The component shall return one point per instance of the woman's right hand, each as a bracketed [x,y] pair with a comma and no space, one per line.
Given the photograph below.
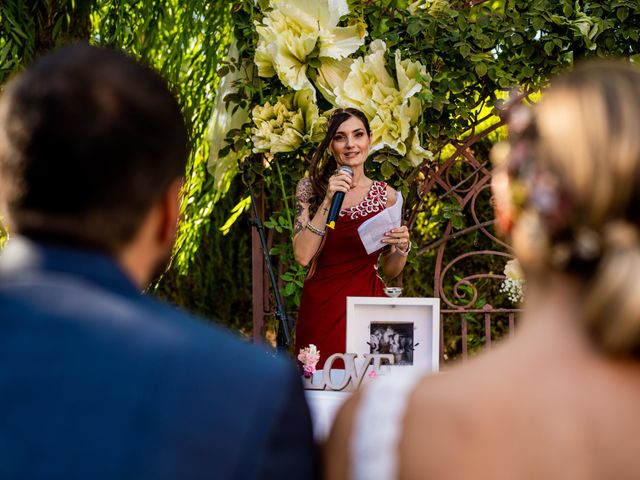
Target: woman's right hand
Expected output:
[338,182]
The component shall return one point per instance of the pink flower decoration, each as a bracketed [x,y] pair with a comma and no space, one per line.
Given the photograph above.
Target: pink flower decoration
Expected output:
[309,358]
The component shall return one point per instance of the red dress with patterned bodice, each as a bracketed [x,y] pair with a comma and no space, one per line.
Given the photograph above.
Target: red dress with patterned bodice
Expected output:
[343,269]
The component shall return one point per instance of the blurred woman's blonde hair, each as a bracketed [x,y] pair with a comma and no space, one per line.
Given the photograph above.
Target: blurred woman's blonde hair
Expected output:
[581,210]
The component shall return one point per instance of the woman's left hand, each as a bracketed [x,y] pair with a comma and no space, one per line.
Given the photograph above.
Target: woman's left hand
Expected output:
[399,237]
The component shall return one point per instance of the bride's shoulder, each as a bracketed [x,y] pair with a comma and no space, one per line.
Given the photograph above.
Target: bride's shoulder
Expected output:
[446,414]
[409,422]
[364,440]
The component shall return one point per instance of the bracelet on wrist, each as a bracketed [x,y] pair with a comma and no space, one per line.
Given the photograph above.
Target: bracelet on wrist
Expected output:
[312,228]
[404,253]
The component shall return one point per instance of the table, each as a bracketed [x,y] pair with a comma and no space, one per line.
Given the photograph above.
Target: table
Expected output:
[324,405]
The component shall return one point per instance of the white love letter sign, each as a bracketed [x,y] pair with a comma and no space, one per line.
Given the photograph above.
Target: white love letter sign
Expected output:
[352,376]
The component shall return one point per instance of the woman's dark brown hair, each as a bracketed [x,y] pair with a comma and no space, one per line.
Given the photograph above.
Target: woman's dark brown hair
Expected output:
[323,164]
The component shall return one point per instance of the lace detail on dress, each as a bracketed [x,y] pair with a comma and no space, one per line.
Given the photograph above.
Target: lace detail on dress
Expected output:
[374,202]
[378,425]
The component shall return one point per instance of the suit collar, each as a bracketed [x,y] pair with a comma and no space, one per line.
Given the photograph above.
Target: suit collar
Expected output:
[22,256]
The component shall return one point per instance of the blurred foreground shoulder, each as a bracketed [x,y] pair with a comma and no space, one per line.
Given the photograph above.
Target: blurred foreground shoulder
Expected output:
[259,396]
[336,453]
[430,434]
[290,450]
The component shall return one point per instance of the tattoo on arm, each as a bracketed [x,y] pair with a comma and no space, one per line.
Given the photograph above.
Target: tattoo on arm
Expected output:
[299,226]
[304,191]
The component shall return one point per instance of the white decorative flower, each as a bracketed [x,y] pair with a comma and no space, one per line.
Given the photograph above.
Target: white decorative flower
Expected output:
[293,32]
[262,59]
[389,104]
[330,75]
[513,270]
[416,154]
[284,126]
[513,285]
[367,76]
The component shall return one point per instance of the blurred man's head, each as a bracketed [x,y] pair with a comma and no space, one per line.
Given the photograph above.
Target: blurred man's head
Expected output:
[90,144]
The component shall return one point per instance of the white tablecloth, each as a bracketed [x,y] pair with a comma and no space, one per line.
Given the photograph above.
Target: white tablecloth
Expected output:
[324,405]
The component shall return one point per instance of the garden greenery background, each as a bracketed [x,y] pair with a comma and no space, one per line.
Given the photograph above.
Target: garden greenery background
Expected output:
[430,74]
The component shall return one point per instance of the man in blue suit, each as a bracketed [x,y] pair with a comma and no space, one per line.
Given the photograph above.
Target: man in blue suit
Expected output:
[97,381]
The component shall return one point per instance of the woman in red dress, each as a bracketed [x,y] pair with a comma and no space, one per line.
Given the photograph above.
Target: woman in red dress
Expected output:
[339,264]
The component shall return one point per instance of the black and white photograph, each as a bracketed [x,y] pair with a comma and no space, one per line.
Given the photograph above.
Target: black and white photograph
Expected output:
[393,338]
[407,328]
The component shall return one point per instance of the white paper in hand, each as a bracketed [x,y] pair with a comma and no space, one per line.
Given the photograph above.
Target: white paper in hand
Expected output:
[372,230]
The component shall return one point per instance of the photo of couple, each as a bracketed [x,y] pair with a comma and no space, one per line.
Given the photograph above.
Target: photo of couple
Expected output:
[394,338]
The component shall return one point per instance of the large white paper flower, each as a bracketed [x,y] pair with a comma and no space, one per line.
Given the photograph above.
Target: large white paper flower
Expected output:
[415,152]
[293,32]
[389,104]
[284,126]
[330,75]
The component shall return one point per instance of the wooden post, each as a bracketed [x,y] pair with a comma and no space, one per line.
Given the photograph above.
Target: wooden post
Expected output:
[257,275]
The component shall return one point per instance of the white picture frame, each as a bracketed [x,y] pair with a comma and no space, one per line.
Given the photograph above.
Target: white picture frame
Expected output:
[398,326]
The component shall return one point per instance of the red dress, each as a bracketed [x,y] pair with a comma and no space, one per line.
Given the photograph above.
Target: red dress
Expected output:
[343,269]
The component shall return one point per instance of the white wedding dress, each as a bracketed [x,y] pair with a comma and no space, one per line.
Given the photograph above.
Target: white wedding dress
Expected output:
[378,425]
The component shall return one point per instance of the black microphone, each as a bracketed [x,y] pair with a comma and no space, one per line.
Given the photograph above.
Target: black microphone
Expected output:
[336,202]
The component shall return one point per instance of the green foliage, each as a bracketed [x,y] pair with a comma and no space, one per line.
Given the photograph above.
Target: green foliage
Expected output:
[4,234]
[475,56]
[31,26]
[185,41]
[217,283]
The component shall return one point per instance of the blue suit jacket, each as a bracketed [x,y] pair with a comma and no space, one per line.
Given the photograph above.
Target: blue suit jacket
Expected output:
[99,382]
